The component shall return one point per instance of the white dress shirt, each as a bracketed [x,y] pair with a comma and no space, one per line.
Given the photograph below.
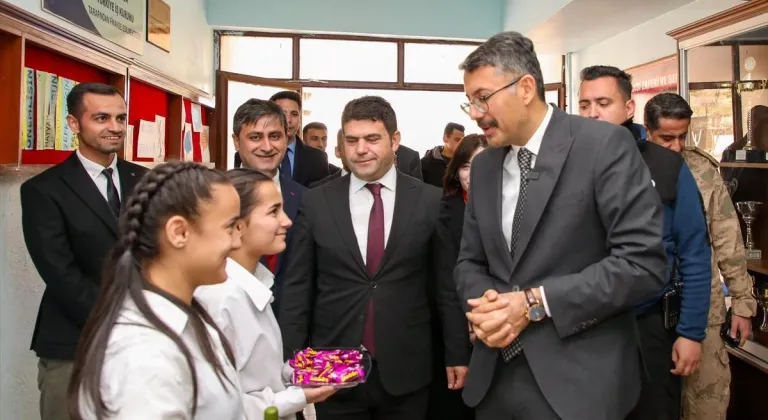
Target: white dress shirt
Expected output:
[361,202]
[511,183]
[241,308]
[276,178]
[95,171]
[145,374]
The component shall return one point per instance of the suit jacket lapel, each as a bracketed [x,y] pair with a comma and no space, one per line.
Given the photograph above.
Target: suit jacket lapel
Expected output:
[128,180]
[406,199]
[83,186]
[299,174]
[495,200]
[554,149]
[338,201]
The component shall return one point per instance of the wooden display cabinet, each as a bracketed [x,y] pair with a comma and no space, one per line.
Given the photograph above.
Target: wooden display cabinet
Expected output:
[737,27]
[27,41]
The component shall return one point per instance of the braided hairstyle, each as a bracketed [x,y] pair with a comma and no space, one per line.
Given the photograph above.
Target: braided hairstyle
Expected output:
[170,189]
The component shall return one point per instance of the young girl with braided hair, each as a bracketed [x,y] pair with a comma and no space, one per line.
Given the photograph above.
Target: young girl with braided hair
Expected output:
[241,305]
[149,350]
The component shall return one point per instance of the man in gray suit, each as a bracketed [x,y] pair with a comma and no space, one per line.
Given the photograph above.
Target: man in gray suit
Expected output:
[562,236]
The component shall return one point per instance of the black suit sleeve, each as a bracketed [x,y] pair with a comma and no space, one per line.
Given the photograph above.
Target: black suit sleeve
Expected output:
[455,328]
[471,273]
[632,217]
[295,315]
[48,244]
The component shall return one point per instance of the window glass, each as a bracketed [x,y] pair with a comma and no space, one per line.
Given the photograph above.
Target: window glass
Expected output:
[712,122]
[710,64]
[363,61]
[435,63]
[257,56]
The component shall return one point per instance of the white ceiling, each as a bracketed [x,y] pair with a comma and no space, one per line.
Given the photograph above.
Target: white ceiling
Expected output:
[578,24]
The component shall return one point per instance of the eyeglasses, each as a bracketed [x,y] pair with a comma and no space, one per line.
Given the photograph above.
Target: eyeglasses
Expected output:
[481,103]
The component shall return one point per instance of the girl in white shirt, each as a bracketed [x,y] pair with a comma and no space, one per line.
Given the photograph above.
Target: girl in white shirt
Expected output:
[241,305]
[149,350]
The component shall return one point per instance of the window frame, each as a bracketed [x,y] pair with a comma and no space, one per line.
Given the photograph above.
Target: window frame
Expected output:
[400,84]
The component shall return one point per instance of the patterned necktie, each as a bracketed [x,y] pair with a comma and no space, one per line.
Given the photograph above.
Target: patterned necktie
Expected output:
[112,197]
[285,166]
[524,157]
[373,256]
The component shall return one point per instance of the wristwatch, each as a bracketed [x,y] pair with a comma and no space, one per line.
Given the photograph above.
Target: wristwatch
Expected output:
[535,311]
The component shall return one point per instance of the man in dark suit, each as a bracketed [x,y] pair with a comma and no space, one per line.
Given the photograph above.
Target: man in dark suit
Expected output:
[339,150]
[408,162]
[557,337]
[69,219]
[364,254]
[260,136]
[301,163]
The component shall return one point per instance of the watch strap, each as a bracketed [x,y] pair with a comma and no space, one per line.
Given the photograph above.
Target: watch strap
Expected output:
[531,298]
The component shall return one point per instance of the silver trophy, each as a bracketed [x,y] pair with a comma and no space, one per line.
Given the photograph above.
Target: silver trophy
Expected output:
[761,294]
[748,211]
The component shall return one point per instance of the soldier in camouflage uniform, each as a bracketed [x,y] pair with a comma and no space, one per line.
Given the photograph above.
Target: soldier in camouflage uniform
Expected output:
[706,393]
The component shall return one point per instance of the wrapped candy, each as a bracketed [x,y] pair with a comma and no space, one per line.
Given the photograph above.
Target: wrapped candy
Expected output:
[327,367]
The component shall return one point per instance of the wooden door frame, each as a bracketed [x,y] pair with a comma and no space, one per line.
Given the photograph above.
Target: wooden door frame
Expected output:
[222,100]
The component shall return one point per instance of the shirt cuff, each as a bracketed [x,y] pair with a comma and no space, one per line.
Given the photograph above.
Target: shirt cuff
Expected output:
[290,401]
[544,301]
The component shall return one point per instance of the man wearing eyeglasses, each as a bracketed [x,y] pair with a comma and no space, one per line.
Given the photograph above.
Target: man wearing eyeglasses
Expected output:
[562,236]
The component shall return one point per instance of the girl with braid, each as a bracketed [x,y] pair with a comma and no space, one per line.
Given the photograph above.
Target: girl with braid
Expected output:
[149,350]
[241,306]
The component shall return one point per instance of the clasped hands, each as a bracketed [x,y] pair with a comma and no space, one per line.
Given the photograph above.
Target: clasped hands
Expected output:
[497,319]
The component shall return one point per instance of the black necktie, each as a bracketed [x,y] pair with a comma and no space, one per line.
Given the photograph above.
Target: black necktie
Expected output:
[524,157]
[112,197]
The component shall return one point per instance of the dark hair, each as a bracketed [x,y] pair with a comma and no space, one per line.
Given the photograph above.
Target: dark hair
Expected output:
[623,79]
[176,188]
[666,105]
[77,94]
[245,181]
[287,94]
[452,126]
[313,126]
[370,108]
[253,110]
[509,52]
[464,151]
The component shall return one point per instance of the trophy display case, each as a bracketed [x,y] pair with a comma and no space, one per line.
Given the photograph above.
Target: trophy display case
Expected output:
[724,76]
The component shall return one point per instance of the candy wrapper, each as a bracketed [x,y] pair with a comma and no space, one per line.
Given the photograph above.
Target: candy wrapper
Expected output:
[340,368]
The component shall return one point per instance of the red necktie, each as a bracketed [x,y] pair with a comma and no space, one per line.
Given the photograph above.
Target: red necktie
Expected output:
[373,256]
[271,262]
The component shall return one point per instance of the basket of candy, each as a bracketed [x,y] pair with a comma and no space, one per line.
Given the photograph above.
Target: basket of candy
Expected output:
[339,367]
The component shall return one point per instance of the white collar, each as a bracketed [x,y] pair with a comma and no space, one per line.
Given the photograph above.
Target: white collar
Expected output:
[173,316]
[343,172]
[256,285]
[388,181]
[534,143]
[92,168]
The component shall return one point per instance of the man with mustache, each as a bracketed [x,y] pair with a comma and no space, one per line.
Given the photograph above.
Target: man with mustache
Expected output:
[69,218]
[562,236]
[261,138]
